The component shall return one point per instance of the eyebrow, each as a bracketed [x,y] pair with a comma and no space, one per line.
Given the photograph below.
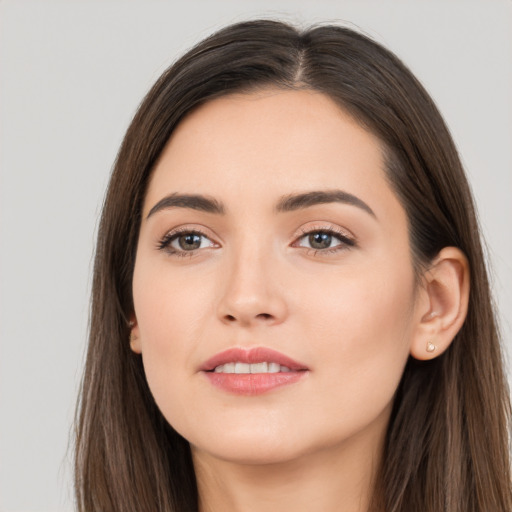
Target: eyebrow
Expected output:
[287,203]
[294,202]
[191,201]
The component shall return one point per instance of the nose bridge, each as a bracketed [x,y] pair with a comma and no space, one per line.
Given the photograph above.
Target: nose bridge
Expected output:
[251,290]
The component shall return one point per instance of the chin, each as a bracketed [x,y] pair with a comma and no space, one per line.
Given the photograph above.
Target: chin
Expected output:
[252,453]
[249,446]
[259,447]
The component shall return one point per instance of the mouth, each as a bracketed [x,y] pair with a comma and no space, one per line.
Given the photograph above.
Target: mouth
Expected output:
[244,368]
[252,372]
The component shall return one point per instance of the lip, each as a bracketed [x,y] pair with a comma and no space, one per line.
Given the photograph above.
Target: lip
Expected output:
[256,383]
[251,356]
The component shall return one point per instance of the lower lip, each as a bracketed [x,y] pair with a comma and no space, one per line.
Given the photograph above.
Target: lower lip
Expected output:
[253,383]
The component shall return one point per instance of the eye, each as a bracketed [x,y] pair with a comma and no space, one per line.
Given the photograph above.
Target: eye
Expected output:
[321,240]
[185,242]
[328,240]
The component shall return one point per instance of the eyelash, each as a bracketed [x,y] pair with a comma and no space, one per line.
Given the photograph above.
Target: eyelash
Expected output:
[165,243]
[345,241]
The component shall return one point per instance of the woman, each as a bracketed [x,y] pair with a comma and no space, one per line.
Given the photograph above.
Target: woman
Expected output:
[290,302]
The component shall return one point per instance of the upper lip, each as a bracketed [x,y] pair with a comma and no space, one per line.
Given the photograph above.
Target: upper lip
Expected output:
[252,355]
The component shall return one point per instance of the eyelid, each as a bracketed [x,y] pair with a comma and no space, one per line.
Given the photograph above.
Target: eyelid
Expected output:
[163,242]
[314,226]
[346,238]
[191,228]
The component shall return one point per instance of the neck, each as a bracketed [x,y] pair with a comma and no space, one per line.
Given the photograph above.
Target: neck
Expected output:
[335,479]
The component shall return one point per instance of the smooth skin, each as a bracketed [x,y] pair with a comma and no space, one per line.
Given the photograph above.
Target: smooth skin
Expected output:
[330,285]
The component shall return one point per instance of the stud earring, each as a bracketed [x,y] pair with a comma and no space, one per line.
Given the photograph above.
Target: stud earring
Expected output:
[430,346]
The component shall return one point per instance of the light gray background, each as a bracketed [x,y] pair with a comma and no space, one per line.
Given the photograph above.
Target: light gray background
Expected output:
[71,76]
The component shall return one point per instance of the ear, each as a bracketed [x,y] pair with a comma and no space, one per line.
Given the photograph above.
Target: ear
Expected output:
[442,304]
[135,344]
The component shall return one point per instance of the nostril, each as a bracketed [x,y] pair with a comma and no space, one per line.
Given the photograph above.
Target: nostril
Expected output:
[242,318]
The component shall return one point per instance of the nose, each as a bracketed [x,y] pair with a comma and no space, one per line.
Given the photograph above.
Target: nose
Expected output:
[252,294]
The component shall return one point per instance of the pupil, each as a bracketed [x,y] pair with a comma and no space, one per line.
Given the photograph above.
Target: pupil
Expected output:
[320,240]
[190,241]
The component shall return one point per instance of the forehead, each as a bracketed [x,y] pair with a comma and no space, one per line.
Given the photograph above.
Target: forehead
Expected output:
[267,143]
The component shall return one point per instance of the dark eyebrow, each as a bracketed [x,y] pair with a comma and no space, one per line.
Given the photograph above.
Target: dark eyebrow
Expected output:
[298,201]
[192,201]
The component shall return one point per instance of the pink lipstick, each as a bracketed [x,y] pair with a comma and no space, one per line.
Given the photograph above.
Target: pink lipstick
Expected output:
[253,371]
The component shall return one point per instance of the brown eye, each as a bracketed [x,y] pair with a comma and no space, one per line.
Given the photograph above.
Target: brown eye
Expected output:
[189,241]
[320,240]
[324,240]
[185,242]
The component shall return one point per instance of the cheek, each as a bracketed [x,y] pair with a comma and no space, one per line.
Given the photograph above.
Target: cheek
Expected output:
[362,326]
[169,307]
[367,312]
[171,317]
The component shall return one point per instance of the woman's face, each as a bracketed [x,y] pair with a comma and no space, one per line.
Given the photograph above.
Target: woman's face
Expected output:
[269,227]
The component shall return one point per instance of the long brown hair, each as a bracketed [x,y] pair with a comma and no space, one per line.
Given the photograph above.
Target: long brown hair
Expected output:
[447,442]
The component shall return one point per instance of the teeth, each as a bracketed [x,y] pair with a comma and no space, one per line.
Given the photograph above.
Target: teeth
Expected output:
[273,368]
[259,368]
[242,368]
[229,368]
[251,368]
